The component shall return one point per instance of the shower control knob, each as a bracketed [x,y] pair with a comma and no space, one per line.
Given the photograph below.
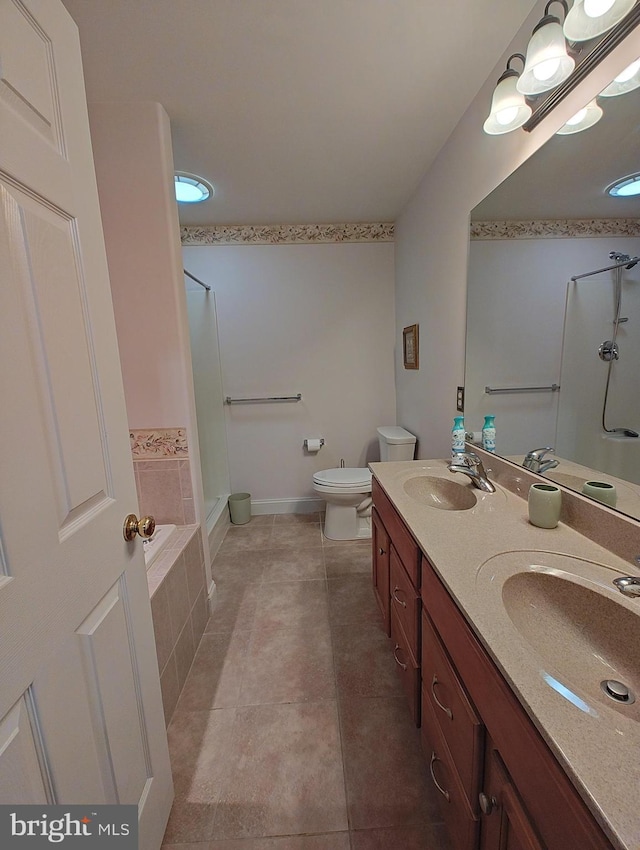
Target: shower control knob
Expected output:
[608,351]
[145,526]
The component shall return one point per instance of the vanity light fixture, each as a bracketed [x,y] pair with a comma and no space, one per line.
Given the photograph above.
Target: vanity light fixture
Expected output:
[591,18]
[191,189]
[509,110]
[548,64]
[628,80]
[582,120]
[628,187]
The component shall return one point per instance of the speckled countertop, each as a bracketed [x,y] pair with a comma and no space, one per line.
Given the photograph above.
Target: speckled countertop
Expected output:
[596,741]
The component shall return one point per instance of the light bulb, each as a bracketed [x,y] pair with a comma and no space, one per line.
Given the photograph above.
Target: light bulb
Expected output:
[545,70]
[629,72]
[596,8]
[578,117]
[506,116]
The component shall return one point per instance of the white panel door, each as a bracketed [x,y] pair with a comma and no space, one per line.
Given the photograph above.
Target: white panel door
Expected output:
[80,706]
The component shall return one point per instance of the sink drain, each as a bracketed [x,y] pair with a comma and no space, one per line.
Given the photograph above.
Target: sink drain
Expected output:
[617,691]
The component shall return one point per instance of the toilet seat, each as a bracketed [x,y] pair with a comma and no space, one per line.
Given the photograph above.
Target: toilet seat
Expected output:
[343,480]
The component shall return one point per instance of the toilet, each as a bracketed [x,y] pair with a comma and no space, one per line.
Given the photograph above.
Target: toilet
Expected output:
[347,490]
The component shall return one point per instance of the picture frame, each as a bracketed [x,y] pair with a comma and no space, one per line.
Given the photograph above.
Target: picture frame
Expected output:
[410,347]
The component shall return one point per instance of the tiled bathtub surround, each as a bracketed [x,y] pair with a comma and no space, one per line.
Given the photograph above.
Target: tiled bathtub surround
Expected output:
[165,491]
[292,731]
[163,474]
[179,605]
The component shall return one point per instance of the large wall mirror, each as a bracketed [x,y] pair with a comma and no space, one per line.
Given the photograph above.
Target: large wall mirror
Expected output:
[539,345]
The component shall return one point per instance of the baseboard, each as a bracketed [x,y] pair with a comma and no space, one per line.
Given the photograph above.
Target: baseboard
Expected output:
[304,505]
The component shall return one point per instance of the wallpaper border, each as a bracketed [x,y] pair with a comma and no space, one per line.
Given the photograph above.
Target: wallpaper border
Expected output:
[554,229]
[287,234]
[158,443]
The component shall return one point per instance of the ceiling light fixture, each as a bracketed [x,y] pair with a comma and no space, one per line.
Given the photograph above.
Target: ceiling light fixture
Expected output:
[191,189]
[582,120]
[548,64]
[628,187]
[509,110]
[591,18]
[628,80]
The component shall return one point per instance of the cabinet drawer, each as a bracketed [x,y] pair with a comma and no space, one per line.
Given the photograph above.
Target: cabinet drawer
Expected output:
[405,545]
[460,725]
[462,826]
[406,605]
[407,668]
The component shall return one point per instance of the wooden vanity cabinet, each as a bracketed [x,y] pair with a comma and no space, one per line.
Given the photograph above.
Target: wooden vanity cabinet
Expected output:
[396,583]
[536,807]
[401,539]
[380,568]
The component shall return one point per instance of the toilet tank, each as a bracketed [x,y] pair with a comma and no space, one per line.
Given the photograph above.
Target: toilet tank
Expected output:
[396,443]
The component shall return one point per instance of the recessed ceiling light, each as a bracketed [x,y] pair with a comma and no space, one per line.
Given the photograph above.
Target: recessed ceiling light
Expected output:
[628,187]
[191,189]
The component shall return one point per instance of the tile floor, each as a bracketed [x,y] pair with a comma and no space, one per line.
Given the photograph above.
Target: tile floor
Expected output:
[292,732]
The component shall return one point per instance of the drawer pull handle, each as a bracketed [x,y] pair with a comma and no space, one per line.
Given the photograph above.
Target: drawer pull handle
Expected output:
[399,601]
[444,708]
[434,759]
[399,663]
[487,804]
[380,551]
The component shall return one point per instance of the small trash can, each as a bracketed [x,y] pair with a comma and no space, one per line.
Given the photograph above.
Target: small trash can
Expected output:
[240,508]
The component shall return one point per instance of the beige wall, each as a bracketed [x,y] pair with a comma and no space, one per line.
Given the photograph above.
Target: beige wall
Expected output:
[311,318]
[432,243]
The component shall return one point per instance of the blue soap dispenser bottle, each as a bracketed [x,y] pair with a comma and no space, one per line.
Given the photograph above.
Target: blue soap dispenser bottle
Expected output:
[457,436]
[489,434]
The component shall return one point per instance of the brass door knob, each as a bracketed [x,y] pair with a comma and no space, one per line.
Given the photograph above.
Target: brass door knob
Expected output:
[145,526]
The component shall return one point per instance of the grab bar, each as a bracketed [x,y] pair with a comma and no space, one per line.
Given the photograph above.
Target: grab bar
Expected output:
[267,400]
[554,388]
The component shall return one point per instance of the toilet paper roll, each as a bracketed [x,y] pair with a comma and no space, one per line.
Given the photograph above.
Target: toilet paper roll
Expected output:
[313,444]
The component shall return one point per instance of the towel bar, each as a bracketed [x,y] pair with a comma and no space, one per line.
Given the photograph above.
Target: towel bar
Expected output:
[266,400]
[554,388]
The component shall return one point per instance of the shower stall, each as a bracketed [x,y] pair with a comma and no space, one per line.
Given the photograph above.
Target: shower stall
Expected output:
[599,407]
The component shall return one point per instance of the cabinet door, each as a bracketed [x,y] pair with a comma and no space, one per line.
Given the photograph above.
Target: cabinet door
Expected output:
[380,562]
[505,824]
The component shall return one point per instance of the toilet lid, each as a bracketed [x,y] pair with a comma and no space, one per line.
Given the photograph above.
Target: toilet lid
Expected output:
[343,477]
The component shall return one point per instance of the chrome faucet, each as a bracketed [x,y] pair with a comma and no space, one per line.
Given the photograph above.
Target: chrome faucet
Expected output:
[628,585]
[534,460]
[470,464]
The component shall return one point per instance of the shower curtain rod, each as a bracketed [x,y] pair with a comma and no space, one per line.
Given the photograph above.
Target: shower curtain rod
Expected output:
[197,280]
[607,269]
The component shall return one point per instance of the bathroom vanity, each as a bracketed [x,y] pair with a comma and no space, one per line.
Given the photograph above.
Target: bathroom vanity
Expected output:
[499,631]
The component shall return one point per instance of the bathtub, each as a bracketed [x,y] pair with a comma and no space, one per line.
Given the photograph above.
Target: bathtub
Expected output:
[155,544]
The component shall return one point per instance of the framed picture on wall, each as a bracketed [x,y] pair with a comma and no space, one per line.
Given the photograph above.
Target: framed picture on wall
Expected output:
[410,347]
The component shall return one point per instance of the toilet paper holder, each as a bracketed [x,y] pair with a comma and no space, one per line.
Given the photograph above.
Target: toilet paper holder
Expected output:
[306,441]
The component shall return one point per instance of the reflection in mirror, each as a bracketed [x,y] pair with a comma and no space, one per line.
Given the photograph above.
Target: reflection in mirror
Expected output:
[530,327]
